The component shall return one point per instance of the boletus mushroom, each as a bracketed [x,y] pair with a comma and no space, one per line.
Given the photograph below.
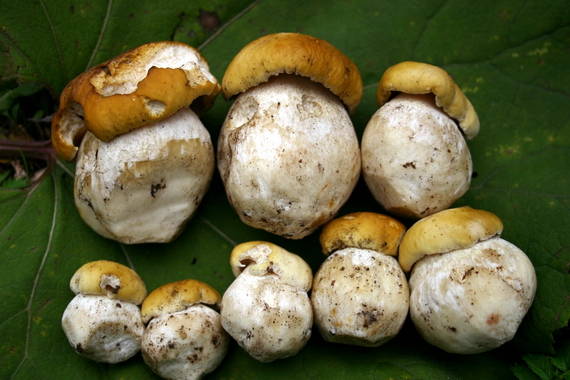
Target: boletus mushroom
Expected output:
[145,159]
[287,152]
[414,156]
[103,322]
[267,309]
[184,338]
[470,289]
[360,294]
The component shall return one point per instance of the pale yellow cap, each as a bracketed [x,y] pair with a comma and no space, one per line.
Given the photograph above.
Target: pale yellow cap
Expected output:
[294,53]
[447,231]
[262,259]
[178,296]
[422,78]
[108,278]
[366,230]
[84,105]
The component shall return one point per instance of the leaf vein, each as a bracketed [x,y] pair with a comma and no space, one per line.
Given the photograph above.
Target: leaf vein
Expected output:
[218,231]
[101,33]
[20,208]
[55,40]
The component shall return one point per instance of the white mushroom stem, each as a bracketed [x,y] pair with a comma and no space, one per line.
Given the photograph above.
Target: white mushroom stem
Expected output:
[144,185]
[360,297]
[414,157]
[268,318]
[472,300]
[103,329]
[288,155]
[186,344]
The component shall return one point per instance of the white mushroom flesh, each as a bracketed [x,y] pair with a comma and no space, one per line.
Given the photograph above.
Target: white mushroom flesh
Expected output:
[472,300]
[186,344]
[415,160]
[268,318]
[103,329]
[144,185]
[288,155]
[360,297]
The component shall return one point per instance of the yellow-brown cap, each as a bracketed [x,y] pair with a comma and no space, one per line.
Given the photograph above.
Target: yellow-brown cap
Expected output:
[108,278]
[294,53]
[422,78]
[262,258]
[177,296]
[366,230]
[141,86]
[447,231]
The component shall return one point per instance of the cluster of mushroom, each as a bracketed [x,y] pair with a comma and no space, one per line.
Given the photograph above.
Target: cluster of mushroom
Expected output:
[183,337]
[289,158]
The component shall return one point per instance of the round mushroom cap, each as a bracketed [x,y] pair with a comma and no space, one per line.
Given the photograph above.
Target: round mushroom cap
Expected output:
[103,329]
[472,300]
[110,279]
[447,231]
[137,88]
[143,186]
[366,230]
[185,344]
[268,318]
[298,54]
[360,297]
[288,156]
[421,78]
[415,160]
[178,296]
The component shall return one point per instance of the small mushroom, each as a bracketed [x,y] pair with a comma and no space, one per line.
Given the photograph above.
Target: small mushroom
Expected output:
[470,289]
[184,338]
[360,294]
[415,159]
[266,309]
[288,153]
[103,322]
[146,160]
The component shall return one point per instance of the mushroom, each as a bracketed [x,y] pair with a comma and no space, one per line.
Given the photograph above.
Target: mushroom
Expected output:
[266,309]
[287,152]
[470,289]
[360,294]
[415,159]
[146,160]
[103,322]
[184,338]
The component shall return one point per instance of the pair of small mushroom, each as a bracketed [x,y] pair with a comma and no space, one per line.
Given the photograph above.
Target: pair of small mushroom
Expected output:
[145,160]
[183,338]
[469,296]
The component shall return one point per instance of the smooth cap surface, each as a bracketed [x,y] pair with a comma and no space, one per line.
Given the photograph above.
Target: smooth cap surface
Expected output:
[177,296]
[446,231]
[366,230]
[261,258]
[422,78]
[294,53]
[108,278]
[146,84]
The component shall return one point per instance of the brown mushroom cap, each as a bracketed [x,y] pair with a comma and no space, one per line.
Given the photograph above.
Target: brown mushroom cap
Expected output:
[141,86]
[298,54]
[446,231]
[422,78]
[366,230]
[177,296]
[108,278]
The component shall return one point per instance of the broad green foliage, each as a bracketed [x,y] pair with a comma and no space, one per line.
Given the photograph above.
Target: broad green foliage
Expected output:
[511,58]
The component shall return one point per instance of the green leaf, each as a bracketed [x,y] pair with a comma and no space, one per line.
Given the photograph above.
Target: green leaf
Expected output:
[510,57]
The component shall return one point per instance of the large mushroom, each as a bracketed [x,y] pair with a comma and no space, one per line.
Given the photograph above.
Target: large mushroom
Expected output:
[103,322]
[360,294]
[414,156]
[146,160]
[288,153]
[267,309]
[470,289]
